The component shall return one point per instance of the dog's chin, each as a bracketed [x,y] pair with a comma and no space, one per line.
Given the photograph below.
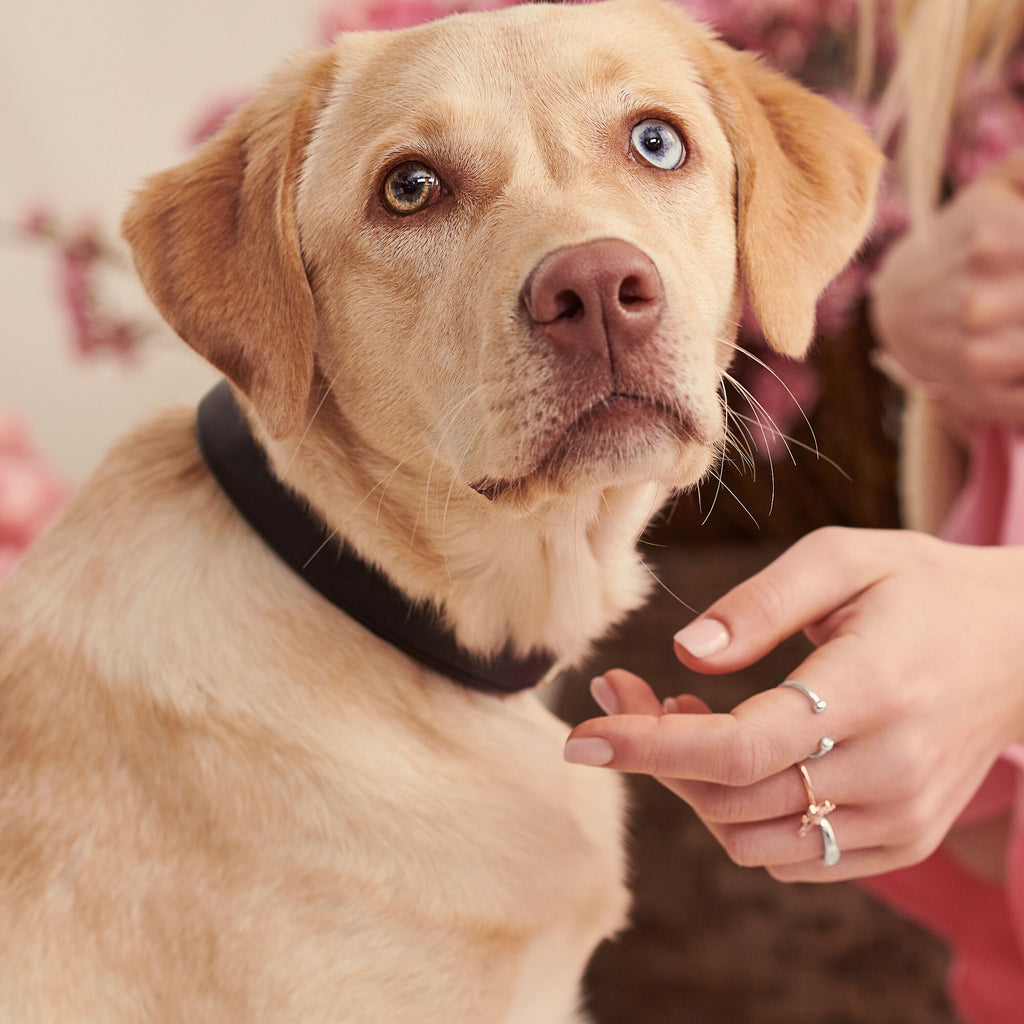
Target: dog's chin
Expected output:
[618,441]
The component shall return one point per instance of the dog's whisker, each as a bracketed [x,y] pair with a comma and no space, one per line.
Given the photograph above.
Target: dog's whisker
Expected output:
[384,484]
[757,407]
[732,494]
[338,531]
[738,435]
[447,424]
[764,366]
[772,428]
[309,425]
[668,590]
[737,442]
[454,474]
[718,488]
[666,517]
[818,454]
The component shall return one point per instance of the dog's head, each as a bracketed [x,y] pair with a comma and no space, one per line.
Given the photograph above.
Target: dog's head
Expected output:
[514,243]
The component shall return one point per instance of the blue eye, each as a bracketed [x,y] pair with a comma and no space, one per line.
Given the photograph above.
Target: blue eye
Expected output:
[657,144]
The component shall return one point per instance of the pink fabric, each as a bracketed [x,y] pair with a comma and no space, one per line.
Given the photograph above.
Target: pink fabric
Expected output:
[982,922]
[990,509]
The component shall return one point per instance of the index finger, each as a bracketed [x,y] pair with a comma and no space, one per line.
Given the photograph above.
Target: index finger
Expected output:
[762,736]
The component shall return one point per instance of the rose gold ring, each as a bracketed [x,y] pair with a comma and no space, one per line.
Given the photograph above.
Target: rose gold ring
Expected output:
[817,813]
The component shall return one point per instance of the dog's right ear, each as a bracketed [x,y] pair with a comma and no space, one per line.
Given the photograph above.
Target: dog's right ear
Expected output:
[216,245]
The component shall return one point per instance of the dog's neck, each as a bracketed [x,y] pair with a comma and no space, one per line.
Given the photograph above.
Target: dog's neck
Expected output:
[520,581]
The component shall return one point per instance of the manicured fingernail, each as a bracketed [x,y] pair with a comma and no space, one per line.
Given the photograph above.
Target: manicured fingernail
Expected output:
[670,706]
[703,637]
[604,695]
[593,751]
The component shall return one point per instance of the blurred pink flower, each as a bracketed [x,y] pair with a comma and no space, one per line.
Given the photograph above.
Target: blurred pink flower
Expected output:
[94,329]
[37,222]
[784,31]
[31,493]
[214,115]
[390,14]
[988,125]
[81,256]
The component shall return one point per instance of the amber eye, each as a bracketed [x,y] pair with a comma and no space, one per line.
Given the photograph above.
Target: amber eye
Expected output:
[410,188]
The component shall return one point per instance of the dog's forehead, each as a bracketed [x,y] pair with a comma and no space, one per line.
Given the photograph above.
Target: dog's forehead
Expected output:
[544,57]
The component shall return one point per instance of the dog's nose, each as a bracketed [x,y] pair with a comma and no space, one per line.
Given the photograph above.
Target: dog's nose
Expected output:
[588,299]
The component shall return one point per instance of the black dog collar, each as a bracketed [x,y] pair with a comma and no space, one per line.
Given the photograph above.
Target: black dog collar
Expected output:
[290,529]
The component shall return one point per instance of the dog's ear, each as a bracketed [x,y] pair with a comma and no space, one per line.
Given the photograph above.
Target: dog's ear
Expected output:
[216,245]
[807,176]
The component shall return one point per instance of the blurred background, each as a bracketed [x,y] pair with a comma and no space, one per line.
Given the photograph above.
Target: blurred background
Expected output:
[93,97]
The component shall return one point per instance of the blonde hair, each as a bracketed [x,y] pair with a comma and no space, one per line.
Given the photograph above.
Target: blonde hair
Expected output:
[937,40]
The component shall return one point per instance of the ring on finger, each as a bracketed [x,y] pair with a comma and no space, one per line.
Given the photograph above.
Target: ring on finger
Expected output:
[826,744]
[817,814]
[830,852]
[818,706]
[817,703]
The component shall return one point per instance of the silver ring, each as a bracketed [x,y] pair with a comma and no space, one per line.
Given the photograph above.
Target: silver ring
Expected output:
[826,744]
[830,848]
[816,702]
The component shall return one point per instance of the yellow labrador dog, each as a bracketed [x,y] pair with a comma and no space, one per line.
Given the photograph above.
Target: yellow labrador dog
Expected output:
[267,748]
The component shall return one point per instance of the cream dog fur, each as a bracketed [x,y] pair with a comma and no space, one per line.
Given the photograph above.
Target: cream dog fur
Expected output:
[222,800]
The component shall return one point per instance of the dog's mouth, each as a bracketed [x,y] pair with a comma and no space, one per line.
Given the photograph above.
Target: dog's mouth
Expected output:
[615,428]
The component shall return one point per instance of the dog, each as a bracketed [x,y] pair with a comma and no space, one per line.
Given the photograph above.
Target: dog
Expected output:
[473,286]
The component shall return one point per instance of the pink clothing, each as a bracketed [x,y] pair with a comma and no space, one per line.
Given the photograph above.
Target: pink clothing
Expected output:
[982,922]
[990,509]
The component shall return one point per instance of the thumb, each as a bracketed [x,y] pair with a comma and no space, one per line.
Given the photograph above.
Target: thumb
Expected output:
[818,575]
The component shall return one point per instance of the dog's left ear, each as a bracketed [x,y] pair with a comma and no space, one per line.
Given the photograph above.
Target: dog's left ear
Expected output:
[216,245]
[807,176]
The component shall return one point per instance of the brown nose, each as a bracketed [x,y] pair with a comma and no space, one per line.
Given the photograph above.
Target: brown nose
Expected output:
[590,298]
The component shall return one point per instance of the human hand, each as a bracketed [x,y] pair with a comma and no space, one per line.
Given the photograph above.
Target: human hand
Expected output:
[920,657]
[947,304]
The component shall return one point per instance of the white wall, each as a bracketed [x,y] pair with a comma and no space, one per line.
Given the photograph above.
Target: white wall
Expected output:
[93,97]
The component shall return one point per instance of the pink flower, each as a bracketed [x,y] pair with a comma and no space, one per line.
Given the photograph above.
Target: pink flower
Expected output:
[13,434]
[31,494]
[892,213]
[784,31]
[988,125]
[391,14]
[94,329]
[213,117]
[841,298]
[37,222]
[81,256]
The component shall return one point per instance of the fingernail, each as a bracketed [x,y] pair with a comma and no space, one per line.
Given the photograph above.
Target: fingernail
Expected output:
[703,637]
[604,695]
[670,706]
[594,751]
